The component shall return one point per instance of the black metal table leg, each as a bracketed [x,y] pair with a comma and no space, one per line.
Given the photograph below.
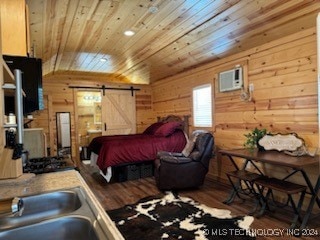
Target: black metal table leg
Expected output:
[234,192]
[231,197]
[313,199]
[313,190]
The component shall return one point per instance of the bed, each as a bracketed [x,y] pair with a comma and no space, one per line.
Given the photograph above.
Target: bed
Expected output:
[167,134]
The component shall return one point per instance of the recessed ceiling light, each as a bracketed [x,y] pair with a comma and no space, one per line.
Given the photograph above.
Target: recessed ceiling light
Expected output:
[103,59]
[129,33]
[153,9]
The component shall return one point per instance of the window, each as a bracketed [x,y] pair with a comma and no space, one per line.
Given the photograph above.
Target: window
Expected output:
[202,107]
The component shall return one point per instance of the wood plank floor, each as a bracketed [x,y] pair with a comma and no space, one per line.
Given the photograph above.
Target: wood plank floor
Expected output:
[212,194]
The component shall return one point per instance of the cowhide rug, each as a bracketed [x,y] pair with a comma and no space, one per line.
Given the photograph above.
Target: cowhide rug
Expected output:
[176,217]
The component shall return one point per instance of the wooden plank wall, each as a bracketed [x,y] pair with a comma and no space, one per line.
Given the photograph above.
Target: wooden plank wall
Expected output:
[284,76]
[284,99]
[58,97]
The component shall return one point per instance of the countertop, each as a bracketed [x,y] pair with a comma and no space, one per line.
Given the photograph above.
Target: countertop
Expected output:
[29,184]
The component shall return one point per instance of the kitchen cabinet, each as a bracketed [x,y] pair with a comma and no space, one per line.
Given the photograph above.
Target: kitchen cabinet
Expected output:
[14,27]
[9,168]
[5,77]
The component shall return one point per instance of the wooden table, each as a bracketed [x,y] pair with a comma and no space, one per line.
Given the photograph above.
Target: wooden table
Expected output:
[296,164]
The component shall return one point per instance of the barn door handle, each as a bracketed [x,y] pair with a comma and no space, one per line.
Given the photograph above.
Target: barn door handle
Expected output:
[105,127]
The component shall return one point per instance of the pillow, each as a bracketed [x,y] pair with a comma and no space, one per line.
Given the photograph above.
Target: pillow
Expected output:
[195,155]
[167,129]
[191,142]
[188,148]
[152,128]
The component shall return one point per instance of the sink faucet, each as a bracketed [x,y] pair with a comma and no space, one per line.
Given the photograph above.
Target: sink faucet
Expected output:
[11,206]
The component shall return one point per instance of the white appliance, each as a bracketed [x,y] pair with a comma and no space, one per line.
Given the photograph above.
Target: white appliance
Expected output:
[35,142]
[65,129]
[230,80]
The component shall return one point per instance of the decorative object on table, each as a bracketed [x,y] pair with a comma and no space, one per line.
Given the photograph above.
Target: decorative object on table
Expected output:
[175,217]
[253,137]
[281,142]
[302,151]
[290,144]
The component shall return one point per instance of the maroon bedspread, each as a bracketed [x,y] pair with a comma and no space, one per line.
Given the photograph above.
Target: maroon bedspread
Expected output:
[96,143]
[120,149]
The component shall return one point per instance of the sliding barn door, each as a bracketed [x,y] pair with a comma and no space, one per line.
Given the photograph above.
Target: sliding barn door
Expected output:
[118,112]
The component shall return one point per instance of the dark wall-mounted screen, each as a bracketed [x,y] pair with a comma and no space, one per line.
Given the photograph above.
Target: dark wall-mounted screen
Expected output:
[31,80]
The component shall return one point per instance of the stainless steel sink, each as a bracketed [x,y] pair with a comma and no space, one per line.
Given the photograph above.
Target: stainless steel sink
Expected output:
[43,206]
[64,214]
[64,228]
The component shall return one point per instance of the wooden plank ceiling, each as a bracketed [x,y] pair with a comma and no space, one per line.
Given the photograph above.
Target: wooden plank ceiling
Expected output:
[72,36]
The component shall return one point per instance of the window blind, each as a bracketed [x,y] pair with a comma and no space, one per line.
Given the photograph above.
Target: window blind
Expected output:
[202,106]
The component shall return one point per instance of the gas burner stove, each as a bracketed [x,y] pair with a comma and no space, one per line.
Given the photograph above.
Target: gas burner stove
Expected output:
[46,164]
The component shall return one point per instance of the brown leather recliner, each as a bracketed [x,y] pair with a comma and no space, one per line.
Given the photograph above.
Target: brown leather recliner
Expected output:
[175,171]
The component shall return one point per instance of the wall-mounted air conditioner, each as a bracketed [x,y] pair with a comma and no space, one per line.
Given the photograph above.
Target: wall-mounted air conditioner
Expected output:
[230,80]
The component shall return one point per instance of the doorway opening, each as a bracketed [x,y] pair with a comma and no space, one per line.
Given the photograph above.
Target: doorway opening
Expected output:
[63,133]
[89,119]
